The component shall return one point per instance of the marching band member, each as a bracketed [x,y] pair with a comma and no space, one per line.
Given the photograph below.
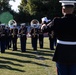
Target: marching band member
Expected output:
[65,31]
[23,37]
[34,33]
[3,38]
[14,32]
[44,22]
[8,37]
[41,37]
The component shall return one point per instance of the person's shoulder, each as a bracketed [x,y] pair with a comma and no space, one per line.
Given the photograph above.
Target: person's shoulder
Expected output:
[57,18]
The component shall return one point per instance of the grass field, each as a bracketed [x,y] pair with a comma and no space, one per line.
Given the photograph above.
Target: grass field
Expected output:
[29,63]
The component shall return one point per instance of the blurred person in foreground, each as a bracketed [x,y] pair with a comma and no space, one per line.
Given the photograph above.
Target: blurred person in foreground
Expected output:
[65,31]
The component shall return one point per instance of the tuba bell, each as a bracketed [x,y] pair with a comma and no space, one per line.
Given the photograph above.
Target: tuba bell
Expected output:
[35,23]
[11,23]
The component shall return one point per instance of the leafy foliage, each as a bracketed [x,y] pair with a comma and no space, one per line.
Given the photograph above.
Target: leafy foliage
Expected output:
[40,8]
[4,5]
[32,9]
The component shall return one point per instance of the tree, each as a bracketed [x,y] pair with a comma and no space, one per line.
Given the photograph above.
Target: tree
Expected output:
[54,8]
[4,5]
[22,5]
[40,8]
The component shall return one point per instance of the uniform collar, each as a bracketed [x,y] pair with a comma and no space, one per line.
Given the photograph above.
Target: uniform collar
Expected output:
[68,15]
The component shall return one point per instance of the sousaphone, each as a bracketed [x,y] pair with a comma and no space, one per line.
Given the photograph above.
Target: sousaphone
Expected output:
[11,23]
[35,23]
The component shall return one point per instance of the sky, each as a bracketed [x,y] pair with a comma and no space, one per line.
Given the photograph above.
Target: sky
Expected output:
[15,4]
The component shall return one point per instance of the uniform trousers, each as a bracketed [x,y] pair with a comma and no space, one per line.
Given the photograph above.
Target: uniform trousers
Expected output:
[34,43]
[23,43]
[51,43]
[41,42]
[3,44]
[14,40]
[7,43]
[10,41]
[66,69]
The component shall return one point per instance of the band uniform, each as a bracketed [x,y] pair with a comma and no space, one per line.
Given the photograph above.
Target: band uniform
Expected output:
[60,27]
[23,37]
[41,37]
[3,34]
[14,32]
[34,37]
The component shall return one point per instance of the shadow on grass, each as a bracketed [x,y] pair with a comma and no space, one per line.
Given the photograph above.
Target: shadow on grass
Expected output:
[12,59]
[47,51]
[21,61]
[39,55]
[41,52]
[22,54]
[44,53]
[31,54]
[10,68]
[46,48]
[9,62]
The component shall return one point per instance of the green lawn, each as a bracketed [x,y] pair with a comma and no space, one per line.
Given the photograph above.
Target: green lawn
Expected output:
[29,63]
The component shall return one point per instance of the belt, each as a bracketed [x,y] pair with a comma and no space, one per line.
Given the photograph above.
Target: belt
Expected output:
[66,42]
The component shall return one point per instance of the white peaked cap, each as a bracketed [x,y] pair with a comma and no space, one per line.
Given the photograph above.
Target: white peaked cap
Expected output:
[67,2]
[45,19]
[23,24]
[3,24]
